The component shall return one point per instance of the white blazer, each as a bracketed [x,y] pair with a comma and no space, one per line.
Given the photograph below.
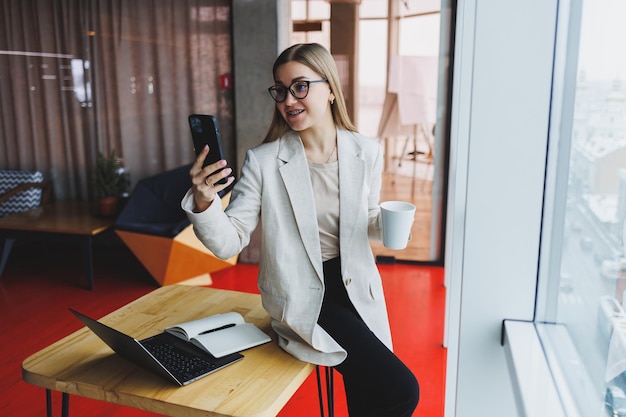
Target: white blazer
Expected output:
[275,187]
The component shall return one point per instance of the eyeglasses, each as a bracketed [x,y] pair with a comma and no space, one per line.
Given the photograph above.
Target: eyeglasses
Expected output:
[298,89]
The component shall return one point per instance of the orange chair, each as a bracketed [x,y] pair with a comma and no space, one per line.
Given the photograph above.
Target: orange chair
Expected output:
[157,231]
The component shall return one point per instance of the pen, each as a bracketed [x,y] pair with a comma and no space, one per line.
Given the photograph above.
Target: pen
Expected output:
[226,326]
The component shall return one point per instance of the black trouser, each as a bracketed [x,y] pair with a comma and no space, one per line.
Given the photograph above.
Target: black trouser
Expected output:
[377,383]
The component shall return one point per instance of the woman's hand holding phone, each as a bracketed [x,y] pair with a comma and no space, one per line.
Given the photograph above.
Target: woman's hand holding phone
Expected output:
[206,181]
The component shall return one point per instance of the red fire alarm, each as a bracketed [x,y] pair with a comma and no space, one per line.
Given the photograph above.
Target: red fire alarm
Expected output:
[226,81]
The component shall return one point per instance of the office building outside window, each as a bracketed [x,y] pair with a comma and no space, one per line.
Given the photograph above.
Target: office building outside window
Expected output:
[581,316]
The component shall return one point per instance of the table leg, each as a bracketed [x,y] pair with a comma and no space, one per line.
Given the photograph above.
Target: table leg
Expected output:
[48,403]
[65,404]
[6,250]
[85,249]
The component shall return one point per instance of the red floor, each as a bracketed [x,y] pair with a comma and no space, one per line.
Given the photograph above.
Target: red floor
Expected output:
[41,281]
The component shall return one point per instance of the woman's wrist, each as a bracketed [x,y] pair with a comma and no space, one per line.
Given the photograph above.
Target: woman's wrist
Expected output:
[199,208]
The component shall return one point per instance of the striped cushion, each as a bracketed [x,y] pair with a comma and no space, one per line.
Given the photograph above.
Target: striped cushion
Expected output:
[25,200]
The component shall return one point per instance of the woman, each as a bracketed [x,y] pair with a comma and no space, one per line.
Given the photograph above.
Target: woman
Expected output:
[314,184]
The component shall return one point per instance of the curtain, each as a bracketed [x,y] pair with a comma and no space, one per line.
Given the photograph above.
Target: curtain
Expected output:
[41,124]
[92,76]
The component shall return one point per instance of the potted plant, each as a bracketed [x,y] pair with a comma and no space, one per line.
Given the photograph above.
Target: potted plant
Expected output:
[109,182]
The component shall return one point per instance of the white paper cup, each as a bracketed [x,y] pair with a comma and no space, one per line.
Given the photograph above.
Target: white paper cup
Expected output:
[397,221]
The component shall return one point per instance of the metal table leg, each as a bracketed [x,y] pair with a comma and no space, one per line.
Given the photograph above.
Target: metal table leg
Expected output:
[65,404]
[6,250]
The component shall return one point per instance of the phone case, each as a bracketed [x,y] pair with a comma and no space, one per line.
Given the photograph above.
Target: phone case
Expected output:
[204,131]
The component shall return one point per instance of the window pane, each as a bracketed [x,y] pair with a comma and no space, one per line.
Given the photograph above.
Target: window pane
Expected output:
[373,9]
[311,11]
[302,10]
[419,35]
[319,10]
[372,74]
[588,302]
[298,9]
[416,7]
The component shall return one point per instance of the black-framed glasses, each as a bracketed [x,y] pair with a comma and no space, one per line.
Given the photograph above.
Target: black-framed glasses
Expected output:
[298,89]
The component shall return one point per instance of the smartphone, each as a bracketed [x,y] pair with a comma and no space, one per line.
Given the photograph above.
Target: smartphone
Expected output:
[204,131]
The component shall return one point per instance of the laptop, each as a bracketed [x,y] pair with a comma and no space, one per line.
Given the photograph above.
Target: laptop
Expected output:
[164,354]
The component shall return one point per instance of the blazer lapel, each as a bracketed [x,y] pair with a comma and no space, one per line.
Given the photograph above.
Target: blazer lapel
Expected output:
[351,181]
[295,175]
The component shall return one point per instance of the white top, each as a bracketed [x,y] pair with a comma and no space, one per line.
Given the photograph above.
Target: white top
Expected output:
[325,182]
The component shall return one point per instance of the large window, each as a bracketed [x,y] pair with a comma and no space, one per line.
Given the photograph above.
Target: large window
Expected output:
[373,27]
[311,22]
[583,311]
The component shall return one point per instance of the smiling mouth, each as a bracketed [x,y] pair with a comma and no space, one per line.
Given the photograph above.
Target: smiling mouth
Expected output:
[294,112]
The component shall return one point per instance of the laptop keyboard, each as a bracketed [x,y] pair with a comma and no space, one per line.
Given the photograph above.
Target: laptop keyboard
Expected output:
[183,366]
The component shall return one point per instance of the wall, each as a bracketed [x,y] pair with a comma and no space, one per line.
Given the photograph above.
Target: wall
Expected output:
[260,33]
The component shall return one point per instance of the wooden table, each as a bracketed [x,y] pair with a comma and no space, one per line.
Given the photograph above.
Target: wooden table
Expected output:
[259,385]
[66,220]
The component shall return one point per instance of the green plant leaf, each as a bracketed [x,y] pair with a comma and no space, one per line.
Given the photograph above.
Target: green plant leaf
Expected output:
[107,179]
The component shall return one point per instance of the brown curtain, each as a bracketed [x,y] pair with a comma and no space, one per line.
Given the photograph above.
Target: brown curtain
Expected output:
[101,75]
[41,123]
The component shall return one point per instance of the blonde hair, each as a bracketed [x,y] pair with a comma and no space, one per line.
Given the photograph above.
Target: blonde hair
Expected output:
[316,57]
